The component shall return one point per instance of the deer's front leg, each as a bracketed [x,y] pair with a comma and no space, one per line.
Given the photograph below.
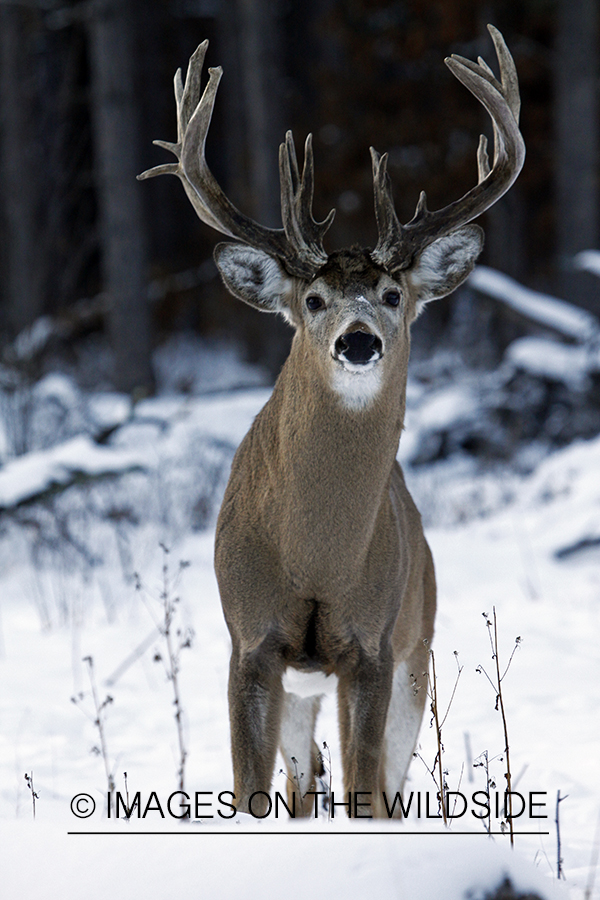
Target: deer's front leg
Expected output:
[364,696]
[255,704]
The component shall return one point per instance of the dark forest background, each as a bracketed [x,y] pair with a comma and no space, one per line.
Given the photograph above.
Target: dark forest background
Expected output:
[85,87]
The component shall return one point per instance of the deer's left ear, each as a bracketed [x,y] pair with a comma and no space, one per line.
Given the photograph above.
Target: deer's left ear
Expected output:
[254,277]
[445,264]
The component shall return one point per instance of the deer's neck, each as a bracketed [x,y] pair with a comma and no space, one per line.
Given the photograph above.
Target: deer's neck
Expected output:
[331,466]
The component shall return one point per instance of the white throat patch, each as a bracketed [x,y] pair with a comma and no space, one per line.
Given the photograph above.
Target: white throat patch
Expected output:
[356,385]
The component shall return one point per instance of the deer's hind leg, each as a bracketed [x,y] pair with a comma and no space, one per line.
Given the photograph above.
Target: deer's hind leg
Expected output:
[300,751]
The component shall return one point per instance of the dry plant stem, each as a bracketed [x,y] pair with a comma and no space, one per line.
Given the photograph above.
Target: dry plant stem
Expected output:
[432,690]
[327,766]
[487,782]
[497,686]
[462,770]
[173,668]
[438,734]
[297,777]
[175,643]
[99,723]
[129,810]
[559,860]
[34,795]
[296,782]
[500,701]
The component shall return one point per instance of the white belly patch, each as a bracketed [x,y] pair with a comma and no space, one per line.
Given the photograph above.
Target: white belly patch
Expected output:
[309,684]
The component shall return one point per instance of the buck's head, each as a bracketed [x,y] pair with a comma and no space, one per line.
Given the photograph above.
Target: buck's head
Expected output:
[351,309]
[353,316]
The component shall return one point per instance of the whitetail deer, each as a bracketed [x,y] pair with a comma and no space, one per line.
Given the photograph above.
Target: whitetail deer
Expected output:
[320,554]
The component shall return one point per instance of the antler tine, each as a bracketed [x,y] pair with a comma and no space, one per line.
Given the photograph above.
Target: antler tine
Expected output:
[398,245]
[388,224]
[315,230]
[508,72]
[189,94]
[302,231]
[299,245]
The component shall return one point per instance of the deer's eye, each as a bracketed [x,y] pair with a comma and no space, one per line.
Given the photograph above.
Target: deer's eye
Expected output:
[314,302]
[392,297]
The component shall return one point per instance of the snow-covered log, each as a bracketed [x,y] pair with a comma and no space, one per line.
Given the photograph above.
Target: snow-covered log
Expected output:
[558,315]
[565,363]
[34,475]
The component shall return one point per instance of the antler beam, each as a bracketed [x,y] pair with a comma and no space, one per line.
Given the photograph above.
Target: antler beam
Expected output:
[299,244]
[399,244]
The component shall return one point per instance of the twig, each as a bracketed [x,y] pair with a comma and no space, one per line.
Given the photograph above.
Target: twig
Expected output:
[559,860]
[460,778]
[297,778]
[432,683]
[490,785]
[497,686]
[326,763]
[295,781]
[175,643]
[432,693]
[98,721]
[34,795]
[128,808]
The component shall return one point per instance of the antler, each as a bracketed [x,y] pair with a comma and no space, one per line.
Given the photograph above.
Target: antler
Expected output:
[398,244]
[299,244]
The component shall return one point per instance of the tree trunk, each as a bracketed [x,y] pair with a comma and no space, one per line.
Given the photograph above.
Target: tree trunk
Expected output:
[18,173]
[262,85]
[576,122]
[122,231]
[253,40]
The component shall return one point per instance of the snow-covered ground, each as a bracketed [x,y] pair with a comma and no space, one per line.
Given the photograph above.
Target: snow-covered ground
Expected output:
[528,546]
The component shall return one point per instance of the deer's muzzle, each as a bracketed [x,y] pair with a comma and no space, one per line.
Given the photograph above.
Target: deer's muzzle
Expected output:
[358,347]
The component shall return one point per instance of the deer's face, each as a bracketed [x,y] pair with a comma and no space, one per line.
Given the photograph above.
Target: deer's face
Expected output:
[353,321]
[353,317]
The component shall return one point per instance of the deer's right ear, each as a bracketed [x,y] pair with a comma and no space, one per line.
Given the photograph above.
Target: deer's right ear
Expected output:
[254,277]
[445,263]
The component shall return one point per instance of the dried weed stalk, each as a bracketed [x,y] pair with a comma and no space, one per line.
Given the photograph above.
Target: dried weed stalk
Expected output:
[437,771]
[98,720]
[175,638]
[496,683]
[34,796]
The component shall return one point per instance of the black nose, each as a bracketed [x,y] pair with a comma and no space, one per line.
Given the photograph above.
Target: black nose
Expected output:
[358,346]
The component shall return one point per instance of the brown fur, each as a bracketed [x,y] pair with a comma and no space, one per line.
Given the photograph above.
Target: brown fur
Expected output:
[320,554]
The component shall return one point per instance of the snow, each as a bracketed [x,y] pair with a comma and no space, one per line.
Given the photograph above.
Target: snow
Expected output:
[29,475]
[588,260]
[216,365]
[446,406]
[30,340]
[109,408]
[565,363]
[500,554]
[558,315]
[288,862]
